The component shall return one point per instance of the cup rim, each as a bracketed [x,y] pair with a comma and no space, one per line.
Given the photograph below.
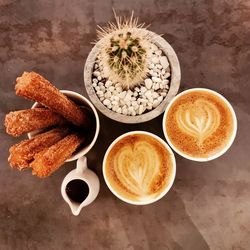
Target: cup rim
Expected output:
[171,179]
[83,99]
[218,154]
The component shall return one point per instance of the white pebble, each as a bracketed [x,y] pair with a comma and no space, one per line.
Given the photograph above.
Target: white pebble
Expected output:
[122,102]
[156,86]
[155,103]
[127,97]
[149,106]
[111,88]
[107,94]
[148,94]
[144,102]
[158,52]
[154,74]
[124,111]
[101,98]
[94,84]
[122,94]
[155,60]
[143,90]
[150,100]
[130,109]
[155,95]
[156,79]
[99,78]
[95,80]
[133,113]
[151,66]
[97,88]
[165,82]
[153,47]
[164,62]
[114,108]
[137,89]
[106,102]
[151,72]
[159,66]
[141,109]
[163,94]
[119,110]
[134,103]
[129,92]
[160,98]
[167,75]
[119,89]
[100,93]
[102,88]
[128,103]
[108,84]
[96,66]
[148,83]
[96,73]
[135,94]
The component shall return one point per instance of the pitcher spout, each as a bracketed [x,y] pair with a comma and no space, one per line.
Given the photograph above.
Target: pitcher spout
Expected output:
[75,209]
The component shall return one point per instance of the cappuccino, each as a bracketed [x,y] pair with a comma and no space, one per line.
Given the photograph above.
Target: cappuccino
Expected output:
[138,168]
[199,123]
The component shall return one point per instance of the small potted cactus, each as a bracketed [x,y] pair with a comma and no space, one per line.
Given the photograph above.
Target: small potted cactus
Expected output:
[131,74]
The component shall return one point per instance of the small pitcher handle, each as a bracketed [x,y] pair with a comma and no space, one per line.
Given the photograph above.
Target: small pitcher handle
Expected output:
[81,165]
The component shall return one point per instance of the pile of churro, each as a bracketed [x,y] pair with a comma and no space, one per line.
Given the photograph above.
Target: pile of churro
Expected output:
[61,120]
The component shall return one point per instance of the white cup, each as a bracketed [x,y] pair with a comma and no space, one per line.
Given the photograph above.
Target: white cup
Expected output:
[221,152]
[82,101]
[81,172]
[171,179]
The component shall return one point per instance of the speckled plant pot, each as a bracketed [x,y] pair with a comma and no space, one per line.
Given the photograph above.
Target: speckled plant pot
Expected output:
[173,88]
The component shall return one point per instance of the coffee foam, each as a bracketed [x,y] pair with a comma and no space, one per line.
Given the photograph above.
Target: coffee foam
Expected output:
[138,167]
[199,123]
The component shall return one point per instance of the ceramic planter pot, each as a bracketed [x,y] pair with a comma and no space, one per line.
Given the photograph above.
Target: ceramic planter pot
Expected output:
[175,78]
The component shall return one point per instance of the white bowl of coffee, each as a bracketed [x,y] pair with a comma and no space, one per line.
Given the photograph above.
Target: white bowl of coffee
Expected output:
[199,124]
[139,167]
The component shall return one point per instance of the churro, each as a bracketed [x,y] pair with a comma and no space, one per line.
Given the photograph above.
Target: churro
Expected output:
[21,154]
[24,121]
[35,87]
[52,158]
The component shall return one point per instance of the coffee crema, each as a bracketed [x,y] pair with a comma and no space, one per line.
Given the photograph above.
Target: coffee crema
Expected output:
[138,167]
[199,123]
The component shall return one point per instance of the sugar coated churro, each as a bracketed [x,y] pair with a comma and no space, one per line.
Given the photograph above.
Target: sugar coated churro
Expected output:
[35,87]
[23,121]
[49,160]
[22,154]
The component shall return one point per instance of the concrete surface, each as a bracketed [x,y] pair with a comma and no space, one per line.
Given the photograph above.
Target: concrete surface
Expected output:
[209,204]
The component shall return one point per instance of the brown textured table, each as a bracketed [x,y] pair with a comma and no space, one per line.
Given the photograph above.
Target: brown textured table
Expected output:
[209,205]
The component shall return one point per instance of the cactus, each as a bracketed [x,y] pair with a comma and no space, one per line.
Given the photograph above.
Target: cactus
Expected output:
[123,50]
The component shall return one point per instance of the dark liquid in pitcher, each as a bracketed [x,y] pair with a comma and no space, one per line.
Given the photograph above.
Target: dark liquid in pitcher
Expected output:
[77,190]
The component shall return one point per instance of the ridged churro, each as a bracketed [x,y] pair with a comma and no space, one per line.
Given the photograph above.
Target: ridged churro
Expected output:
[35,87]
[21,154]
[49,160]
[24,121]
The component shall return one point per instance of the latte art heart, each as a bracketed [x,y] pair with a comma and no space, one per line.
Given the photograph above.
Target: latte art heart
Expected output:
[200,119]
[138,167]
[199,124]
